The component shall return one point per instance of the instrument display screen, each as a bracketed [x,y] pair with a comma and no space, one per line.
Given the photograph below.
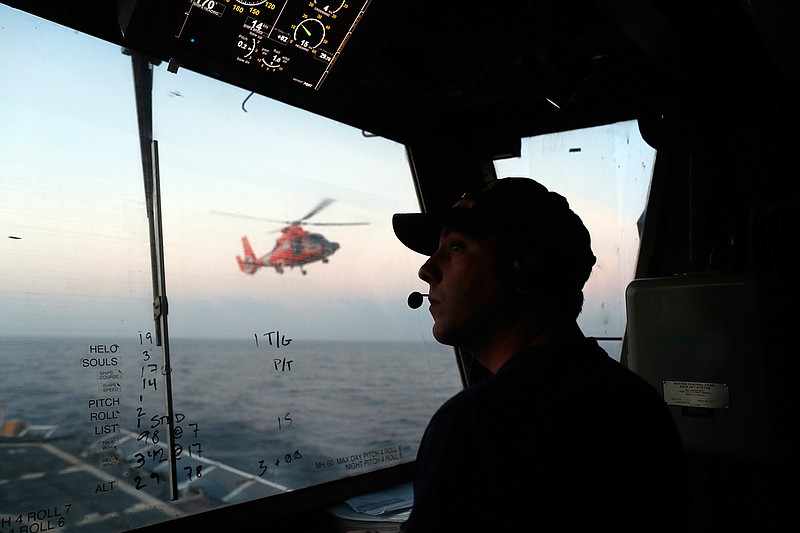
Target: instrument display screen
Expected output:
[296,40]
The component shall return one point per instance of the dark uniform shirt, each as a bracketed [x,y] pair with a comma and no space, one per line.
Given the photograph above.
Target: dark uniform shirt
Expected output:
[561,438]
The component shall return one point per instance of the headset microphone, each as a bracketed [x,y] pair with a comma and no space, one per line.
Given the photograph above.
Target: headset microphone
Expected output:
[415,299]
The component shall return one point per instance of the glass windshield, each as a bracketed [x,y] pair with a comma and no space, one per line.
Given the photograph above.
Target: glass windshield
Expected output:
[294,359]
[604,172]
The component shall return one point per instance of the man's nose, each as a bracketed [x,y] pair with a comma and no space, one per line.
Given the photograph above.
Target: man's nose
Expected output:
[429,272]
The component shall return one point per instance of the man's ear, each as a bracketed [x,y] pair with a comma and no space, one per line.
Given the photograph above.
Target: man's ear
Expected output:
[527,269]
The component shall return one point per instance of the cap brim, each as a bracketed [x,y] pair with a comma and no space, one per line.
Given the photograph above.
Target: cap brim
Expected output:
[419,231]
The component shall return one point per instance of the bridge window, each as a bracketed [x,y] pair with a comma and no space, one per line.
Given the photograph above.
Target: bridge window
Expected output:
[605,174]
[279,381]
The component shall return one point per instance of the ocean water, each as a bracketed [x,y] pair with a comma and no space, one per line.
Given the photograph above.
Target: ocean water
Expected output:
[294,413]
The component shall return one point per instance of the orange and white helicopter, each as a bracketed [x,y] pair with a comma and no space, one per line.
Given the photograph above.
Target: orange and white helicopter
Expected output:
[295,247]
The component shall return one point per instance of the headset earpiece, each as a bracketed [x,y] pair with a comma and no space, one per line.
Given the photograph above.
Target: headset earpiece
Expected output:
[526,267]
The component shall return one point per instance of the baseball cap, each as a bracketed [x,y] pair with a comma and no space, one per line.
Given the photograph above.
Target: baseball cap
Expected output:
[541,220]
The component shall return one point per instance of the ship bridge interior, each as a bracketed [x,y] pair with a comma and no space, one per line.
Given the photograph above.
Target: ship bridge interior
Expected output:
[712,87]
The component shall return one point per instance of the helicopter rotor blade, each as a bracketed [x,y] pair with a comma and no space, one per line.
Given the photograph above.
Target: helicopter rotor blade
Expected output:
[336,223]
[299,222]
[251,217]
[320,206]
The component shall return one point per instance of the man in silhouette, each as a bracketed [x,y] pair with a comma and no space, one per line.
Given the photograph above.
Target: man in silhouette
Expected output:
[559,437]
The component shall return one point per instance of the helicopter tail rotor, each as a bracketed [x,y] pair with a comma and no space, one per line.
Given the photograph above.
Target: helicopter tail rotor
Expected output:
[248,264]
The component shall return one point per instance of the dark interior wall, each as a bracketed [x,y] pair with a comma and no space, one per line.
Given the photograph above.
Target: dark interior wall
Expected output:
[725,199]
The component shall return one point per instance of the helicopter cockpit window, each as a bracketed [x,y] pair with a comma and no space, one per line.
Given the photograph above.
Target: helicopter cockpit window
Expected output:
[290,366]
[605,173]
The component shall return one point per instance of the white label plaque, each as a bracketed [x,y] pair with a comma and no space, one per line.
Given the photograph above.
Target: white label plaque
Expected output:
[697,394]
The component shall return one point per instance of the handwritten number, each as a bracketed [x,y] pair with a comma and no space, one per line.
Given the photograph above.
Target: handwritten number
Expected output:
[197,472]
[153,436]
[287,458]
[198,449]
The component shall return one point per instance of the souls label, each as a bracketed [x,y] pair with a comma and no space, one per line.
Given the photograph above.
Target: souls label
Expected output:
[87,362]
